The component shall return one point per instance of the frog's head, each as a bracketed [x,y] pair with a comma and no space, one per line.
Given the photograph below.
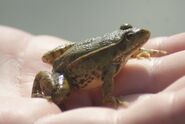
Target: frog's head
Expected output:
[132,38]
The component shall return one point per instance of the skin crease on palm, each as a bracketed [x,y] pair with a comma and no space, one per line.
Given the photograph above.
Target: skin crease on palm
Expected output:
[155,88]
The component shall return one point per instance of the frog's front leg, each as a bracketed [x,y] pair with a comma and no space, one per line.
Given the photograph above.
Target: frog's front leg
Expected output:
[108,86]
[43,85]
[147,53]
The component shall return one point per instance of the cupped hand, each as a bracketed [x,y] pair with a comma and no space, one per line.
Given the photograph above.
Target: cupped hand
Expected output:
[153,87]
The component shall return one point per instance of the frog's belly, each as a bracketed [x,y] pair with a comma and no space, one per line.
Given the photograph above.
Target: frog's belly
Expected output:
[88,81]
[93,84]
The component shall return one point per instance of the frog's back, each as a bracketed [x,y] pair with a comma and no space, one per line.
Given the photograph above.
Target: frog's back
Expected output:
[87,46]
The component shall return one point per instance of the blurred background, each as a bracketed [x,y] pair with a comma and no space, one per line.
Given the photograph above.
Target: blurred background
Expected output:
[80,19]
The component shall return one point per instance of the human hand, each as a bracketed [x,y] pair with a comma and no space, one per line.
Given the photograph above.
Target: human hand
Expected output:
[155,87]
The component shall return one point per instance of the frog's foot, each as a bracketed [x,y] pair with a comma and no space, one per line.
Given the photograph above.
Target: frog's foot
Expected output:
[37,94]
[115,101]
[147,53]
[43,86]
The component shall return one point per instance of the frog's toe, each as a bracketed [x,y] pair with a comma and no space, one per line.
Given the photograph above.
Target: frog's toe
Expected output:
[37,95]
[121,103]
[147,53]
[115,101]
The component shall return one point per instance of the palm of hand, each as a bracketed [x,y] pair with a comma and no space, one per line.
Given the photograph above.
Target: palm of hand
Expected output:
[153,87]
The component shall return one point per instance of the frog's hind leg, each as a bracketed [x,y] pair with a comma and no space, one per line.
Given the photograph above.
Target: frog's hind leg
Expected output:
[52,55]
[43,85]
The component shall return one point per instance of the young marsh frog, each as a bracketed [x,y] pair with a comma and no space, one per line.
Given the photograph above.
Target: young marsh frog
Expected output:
[89,64]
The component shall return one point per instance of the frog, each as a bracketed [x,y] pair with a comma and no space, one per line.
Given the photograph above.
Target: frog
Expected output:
[90,64]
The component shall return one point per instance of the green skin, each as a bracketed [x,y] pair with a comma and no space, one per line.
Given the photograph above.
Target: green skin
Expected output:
[89,64]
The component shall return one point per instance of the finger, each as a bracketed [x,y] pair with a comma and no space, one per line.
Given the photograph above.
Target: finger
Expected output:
[170,44]
[164,108]
[82,116]
[177,85]
[17,110]
[23,46]
[170,110]
[12,40]
[20,59]
[150,75]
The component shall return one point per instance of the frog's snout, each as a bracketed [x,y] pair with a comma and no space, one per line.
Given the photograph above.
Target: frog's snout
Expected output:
[138,34]
[144,32]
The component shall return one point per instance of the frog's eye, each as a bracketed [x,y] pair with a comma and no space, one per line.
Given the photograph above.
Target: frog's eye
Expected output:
[128,35]
[125,26]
